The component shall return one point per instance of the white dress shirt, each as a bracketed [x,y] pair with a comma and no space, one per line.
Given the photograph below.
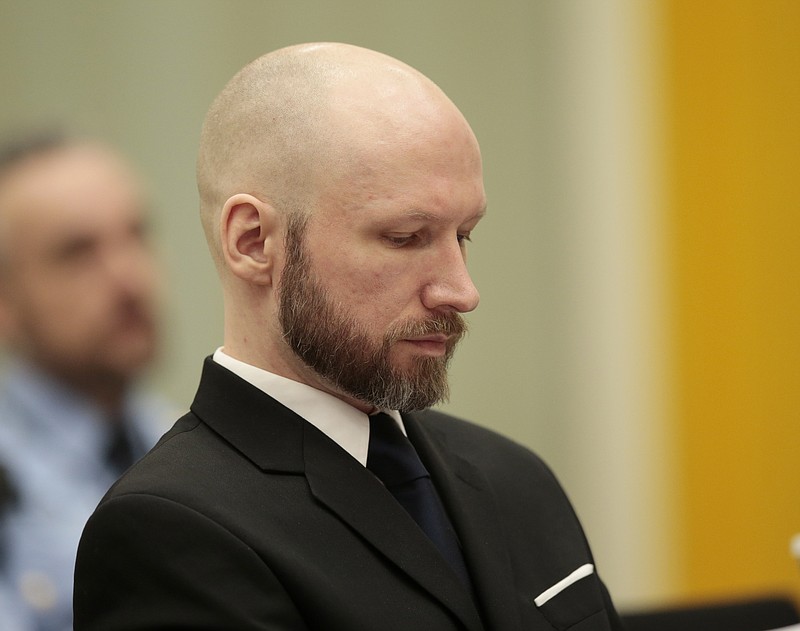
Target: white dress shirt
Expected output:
[340,421]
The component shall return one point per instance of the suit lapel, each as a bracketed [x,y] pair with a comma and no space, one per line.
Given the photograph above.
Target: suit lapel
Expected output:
[278,440]
[263,430]
[468,500]
[360,500]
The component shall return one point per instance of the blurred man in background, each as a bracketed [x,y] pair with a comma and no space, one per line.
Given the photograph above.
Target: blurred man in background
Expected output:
[78,298]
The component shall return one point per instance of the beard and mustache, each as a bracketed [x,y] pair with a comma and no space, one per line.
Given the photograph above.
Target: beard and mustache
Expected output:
[338,348]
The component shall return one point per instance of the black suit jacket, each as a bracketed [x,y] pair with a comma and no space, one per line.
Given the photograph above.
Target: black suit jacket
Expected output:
[245,516]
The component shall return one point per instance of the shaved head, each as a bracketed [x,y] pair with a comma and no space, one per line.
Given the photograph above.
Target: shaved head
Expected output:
[293,119]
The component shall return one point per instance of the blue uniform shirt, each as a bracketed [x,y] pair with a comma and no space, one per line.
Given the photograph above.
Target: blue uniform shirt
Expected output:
[52,446]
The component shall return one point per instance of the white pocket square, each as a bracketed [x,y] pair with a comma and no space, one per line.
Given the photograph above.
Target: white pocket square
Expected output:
[582,572]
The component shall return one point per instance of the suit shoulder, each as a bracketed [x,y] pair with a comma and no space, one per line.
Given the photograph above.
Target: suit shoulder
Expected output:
[525,490]
[161,467]
[480,444]
[459,429]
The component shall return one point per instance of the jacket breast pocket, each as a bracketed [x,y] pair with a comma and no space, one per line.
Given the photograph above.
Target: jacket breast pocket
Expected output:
[576,603]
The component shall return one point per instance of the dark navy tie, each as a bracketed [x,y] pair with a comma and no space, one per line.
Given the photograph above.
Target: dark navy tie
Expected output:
[393,459]
[119,451]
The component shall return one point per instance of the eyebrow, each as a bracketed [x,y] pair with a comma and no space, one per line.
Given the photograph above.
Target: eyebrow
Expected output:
[426,216]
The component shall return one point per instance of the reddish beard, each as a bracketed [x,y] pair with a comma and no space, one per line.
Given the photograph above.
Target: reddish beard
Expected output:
[338,348]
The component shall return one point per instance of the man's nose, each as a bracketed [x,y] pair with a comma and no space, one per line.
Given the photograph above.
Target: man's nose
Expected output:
[129,266]
[450,287]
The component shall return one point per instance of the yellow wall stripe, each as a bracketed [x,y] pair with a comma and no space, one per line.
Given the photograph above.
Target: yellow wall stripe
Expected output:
[734,179]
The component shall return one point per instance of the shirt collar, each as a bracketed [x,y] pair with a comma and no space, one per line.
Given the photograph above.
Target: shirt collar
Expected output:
[340,421]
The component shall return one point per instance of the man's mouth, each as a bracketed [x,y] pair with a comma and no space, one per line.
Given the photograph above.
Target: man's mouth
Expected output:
[434,344]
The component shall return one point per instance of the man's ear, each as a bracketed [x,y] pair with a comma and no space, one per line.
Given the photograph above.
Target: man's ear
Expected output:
[250,237]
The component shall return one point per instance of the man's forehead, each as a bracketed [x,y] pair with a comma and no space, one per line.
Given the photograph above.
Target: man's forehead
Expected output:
[56,194]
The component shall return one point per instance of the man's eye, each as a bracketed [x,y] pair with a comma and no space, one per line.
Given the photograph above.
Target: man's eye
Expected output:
[75,250]
[400,240]
[463,238]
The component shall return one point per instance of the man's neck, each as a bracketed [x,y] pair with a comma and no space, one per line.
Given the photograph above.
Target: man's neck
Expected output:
[297,371]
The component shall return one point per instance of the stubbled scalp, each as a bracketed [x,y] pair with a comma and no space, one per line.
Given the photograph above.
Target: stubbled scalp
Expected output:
[254,129]
[271,133]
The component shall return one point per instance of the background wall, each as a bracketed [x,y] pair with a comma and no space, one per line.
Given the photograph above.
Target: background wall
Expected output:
[574,350]
[734,215]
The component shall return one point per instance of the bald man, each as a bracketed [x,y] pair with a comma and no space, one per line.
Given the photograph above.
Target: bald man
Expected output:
[339,188]
[78,292]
